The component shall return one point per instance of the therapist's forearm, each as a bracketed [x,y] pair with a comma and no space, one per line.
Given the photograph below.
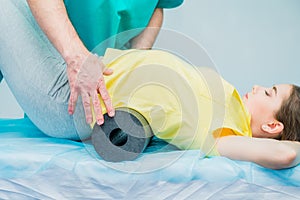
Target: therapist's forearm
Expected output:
[52,17]
[146,39]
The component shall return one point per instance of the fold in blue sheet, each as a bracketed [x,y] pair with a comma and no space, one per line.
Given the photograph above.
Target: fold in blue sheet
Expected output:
[34,166]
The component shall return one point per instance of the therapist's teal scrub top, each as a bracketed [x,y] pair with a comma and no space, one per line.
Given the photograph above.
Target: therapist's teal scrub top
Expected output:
[112,23]
[169,3]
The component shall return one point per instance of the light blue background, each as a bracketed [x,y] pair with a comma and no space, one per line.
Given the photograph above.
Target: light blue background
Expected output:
[250,41]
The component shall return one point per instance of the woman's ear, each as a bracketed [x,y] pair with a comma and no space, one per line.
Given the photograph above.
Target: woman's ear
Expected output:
[273,128]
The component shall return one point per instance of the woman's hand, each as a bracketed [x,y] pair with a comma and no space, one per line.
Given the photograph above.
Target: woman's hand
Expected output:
[85,73]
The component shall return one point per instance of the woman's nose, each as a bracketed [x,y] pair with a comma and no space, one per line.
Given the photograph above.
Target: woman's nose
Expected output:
[255,89]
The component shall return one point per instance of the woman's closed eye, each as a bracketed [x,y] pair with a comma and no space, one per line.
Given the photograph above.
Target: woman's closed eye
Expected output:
[267,93]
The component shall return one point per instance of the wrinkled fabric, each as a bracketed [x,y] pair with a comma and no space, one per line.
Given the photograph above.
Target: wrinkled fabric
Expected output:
[34,166]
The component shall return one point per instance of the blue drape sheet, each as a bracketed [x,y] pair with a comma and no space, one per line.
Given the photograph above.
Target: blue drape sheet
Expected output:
[34,166]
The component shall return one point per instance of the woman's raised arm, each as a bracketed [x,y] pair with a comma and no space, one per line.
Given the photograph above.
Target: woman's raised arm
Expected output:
[269,153]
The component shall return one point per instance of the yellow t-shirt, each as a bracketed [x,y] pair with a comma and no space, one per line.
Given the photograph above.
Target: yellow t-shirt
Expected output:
[186,106]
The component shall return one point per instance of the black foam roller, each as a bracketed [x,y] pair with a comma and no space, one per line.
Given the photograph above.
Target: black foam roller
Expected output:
[122,137]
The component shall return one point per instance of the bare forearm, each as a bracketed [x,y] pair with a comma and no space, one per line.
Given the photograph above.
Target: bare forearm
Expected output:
[52,17]
[84,69]
[146,39]
[269,153]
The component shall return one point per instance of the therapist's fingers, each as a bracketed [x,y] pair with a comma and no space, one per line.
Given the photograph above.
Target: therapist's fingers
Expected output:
[86,101]
[72,101]
[106,98]
[97,109]
[108,71]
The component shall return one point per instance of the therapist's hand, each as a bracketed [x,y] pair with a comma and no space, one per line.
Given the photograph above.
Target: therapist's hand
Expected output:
[85,74]
[85,70]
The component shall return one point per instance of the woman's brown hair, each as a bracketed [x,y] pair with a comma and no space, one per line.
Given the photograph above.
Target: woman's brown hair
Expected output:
[289,115]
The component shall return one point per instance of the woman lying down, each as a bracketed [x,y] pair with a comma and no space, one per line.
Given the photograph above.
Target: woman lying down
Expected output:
[189,107]
[194,108]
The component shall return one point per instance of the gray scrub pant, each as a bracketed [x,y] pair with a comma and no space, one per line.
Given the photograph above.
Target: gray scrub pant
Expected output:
[36,73]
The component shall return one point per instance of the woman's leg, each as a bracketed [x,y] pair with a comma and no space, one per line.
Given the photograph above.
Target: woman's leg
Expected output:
[36,73]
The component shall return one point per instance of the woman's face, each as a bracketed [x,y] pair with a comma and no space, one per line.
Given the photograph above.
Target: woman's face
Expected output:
[262,103]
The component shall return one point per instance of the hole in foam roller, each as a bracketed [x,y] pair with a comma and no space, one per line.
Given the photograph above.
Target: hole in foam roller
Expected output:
[118,137]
